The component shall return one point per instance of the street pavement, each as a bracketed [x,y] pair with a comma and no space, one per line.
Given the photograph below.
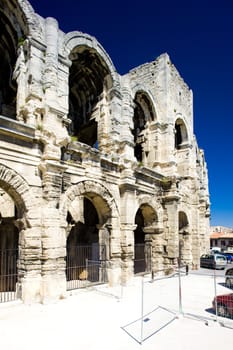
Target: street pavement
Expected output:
[172,312]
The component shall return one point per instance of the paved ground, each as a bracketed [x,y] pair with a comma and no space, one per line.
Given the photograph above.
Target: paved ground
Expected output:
[175,315]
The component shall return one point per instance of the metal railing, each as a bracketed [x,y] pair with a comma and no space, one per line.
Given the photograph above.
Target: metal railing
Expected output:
[178,291]
[86,265]
[8,274]
[142,258]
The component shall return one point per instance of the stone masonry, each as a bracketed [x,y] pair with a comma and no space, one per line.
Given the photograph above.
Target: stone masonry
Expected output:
[88,156]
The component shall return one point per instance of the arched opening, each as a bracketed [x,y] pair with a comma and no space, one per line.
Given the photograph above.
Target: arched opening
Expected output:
[143,113]
[181,136]
[184,239]
[9,240]
[145,218]
[84,251]
[86,86]
[8,56]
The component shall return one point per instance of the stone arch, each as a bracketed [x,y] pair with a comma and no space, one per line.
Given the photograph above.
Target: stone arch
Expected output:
[30,18]
[183,221]
[18,189]
[153,229]
[153,211]
[181,133]
[94,237]
[147,218]
[17,22]
[75,39]
[15,193]
[144,115]
[93,86]
[98,194]
[141,89]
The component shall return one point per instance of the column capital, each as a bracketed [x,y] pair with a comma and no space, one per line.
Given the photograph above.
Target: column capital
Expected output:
[128,227]
[152,229]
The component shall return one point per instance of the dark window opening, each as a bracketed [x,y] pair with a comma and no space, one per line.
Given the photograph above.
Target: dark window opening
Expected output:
[8,49]
[143,113]
[85,232]
[139,126]
[139,235]
[183,222]
[178,136]
[83,245]
[86,84]
[181,136]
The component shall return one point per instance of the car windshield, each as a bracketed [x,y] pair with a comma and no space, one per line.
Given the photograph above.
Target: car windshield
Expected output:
[219,257]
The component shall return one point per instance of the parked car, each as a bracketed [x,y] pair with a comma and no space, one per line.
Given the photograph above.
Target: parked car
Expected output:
[213,261]
[229,277]
[229,257]
[215,249]
[224,305]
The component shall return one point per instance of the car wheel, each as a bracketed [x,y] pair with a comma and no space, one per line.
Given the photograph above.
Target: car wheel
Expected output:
[222,310]
[228,283]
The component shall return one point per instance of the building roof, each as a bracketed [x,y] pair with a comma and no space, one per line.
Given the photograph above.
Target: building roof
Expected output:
[218,235]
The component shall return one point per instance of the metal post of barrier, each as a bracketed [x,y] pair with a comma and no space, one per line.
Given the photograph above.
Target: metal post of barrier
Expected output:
[152,275]
[180,293]
[142,311]
[215,296]
[86,271]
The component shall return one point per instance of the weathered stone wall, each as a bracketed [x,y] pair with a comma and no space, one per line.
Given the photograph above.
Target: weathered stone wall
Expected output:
[83,132]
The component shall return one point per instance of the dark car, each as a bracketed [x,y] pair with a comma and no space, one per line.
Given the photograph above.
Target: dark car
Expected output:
[213,261]
[224,305]
[229,277]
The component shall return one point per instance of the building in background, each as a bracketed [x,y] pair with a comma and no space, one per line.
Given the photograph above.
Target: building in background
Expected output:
[101,176]
[221,237]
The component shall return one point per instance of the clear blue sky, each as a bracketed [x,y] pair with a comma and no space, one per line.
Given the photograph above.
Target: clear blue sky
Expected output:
[198,36]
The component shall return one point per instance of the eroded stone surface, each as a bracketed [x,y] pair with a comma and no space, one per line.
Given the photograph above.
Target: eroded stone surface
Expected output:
[92,157]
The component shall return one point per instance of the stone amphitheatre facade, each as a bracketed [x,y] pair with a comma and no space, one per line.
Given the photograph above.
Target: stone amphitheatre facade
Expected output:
[91,159]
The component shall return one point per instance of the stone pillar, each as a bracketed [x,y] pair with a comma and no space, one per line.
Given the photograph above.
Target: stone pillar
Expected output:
[51,59]
[195,249]
[114,253]
[164,148]
[114,125]
[154,243]
[127,251]
[19,75]
[172,232]
[203,228]
[27,73]
[127,140]
[185,246]
[53,235]
[29,264]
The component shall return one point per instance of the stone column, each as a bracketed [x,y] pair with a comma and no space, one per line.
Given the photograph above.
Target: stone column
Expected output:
[154,243]
[51,58]
[29,263]
[113,122]
[28,74]
[172,232]
[113,252]
[19,75]
[195,249]
[185,246]
[53,235]
[127,251]
[127,140]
